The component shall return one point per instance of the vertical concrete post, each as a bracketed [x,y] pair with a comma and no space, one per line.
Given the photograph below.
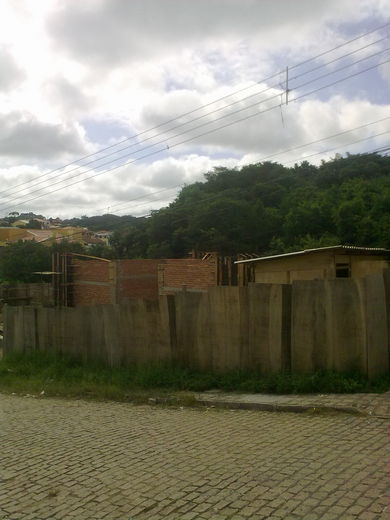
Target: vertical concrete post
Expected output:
[8,329]
[167,303]
[386,279]
[114,280]
[376,325]
[309,340]
[268,327]
[193,330]
[346,326]
[286,329]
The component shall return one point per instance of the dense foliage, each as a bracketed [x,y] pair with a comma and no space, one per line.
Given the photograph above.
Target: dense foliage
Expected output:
[261,208]
[108,222]
[19,262]
[268,208]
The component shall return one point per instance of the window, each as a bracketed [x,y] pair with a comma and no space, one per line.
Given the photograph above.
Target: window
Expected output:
[343,271]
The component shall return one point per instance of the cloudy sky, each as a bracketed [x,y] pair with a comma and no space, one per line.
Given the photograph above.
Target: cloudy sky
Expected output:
[113,105]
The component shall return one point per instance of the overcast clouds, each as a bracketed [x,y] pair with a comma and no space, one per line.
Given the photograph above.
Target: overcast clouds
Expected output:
[76,77]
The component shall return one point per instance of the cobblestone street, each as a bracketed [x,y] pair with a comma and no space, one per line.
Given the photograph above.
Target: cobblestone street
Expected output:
[63,459]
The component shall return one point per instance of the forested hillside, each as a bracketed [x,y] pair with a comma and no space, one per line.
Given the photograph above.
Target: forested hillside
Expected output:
[262,208]
[268,208]
[108,222]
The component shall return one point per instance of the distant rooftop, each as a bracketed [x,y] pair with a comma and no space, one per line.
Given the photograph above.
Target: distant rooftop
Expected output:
[352,250]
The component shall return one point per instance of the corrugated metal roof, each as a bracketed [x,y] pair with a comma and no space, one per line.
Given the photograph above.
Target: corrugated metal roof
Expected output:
[350,249]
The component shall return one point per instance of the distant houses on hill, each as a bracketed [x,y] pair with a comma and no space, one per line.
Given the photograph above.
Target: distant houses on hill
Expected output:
[48,231]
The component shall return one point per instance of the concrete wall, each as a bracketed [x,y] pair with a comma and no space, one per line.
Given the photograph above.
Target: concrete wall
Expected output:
[115,334]
[362,266]
[27,293]
[234,327]
[316,266]
[309,325]
[341,324]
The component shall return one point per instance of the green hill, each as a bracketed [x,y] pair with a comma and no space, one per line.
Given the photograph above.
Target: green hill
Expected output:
[268,208]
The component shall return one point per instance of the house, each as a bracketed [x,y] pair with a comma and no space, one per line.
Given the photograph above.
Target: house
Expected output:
[20,223]
[324,263]
[43,222]
[9,235]
[104,236]
[55,222]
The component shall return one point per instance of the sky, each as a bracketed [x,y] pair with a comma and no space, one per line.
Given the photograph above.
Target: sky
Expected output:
[112,106]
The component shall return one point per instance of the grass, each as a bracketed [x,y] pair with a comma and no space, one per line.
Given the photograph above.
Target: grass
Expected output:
[51,375]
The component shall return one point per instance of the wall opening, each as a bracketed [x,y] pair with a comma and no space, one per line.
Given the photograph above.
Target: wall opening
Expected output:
[343,271]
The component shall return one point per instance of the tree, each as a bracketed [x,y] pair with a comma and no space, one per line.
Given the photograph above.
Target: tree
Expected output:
[101,250]
[33,224]
[18,261]
[268,207]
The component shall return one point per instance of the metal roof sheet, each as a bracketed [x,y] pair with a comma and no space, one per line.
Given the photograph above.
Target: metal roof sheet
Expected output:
[352,249]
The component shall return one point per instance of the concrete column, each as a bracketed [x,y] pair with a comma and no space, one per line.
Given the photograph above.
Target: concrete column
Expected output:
[376,325]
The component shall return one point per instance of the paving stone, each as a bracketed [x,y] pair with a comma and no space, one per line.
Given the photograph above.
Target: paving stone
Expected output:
[65,460]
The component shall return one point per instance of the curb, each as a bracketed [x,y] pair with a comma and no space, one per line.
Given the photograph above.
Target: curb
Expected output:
[293,408]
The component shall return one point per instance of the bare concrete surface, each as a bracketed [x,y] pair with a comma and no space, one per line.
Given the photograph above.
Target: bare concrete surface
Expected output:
[377,405]
[64,460]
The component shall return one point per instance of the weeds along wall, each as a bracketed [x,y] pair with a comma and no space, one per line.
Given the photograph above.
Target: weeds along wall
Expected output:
[338,324]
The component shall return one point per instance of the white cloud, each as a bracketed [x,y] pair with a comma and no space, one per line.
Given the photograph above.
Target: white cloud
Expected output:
[10,73]
[73,99]
[125,67]
[140,29]
[23,136]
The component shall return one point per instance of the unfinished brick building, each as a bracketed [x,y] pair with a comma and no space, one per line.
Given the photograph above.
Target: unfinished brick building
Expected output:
[90,281]
[86,281]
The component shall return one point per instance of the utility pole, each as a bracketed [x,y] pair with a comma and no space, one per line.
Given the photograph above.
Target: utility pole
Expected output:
[287,89]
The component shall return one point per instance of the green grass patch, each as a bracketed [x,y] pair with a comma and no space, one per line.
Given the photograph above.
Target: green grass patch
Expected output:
[56,375]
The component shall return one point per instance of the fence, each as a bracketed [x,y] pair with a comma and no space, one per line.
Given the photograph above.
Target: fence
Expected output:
[26,293]
[339,324]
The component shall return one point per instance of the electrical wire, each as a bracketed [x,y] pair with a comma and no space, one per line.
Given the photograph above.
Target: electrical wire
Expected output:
[304,158]
[266,157]
[181,125]
[216,129]
[282,177]
[195,110]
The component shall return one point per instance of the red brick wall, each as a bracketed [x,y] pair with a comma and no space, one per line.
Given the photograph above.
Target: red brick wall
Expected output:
[91,282]
[98,282]
[90,270]
[193,273]
[138,279]
[91,294]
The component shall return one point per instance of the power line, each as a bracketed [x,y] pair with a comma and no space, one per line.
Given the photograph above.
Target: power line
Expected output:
[216,196]
[216,129]
[341,146]
[266,157]
[313,155]
[270,181]
[293,160]
[206,105]
[181,125]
